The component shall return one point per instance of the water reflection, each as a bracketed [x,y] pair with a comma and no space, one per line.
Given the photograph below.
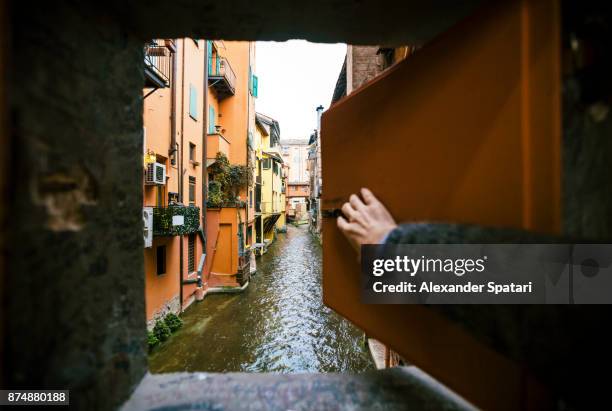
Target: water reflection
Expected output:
[279,324]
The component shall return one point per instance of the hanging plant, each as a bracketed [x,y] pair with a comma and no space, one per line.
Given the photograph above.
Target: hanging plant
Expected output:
[226,182]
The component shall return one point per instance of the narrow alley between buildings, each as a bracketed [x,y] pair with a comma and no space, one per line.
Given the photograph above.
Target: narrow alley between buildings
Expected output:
[278,324]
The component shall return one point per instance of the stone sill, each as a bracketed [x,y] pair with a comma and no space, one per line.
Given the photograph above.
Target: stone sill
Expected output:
[400,388]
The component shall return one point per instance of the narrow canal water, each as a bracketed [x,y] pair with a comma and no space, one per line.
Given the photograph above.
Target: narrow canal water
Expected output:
[279,324]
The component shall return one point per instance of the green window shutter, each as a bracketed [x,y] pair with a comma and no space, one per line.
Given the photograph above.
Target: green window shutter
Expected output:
[193,102]
[255,85]
[209,50]
[211,119]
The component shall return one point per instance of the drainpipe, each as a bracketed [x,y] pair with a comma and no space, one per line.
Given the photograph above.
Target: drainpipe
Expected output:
[204,144]
[172,150]
[180,154]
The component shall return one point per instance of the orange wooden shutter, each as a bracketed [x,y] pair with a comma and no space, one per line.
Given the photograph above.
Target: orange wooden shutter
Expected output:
[465,130]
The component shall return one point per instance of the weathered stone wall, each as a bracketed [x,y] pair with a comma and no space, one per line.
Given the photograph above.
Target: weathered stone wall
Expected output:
[171,306]
[75,314]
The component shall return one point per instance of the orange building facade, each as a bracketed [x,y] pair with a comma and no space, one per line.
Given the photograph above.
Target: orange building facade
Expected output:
[231,112]
[198,101]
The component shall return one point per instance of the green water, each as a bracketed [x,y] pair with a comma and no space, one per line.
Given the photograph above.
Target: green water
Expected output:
[279,324]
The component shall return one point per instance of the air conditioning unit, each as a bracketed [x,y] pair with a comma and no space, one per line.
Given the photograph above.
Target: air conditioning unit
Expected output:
[147,225]
[155,174]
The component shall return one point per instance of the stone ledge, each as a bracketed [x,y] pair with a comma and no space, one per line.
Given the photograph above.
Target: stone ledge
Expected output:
[400,388]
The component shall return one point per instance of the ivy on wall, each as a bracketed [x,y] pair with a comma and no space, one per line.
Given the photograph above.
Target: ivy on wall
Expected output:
[162,220]
[226,182]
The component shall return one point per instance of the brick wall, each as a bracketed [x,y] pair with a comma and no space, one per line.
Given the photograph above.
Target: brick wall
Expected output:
[363,64]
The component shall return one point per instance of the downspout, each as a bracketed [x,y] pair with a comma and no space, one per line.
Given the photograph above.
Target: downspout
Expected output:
[180,153]
[172,150]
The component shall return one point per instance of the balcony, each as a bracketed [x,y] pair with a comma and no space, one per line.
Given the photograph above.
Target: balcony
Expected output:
[267,207]
[222,79]
[175,220]
[216,143]
[158,64]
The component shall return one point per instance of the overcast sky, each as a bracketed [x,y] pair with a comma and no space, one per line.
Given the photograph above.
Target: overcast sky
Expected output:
[294,78]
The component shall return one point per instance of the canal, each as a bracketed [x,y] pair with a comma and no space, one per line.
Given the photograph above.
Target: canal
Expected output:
[278,324]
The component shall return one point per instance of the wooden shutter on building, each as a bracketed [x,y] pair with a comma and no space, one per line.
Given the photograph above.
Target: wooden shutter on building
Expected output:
[191,253]
[466,130]
[255,85]
[192,190]
[211,120]
[193,102]
[209,51]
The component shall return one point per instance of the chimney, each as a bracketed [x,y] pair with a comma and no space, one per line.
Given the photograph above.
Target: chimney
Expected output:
[319,114]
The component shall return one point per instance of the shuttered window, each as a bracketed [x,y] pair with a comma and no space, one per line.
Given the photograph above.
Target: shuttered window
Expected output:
[191,253]
[209,51]
[211,120]
[255,85]
[193,102]
[192,190]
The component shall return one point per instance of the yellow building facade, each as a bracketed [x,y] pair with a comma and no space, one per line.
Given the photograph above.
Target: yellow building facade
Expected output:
[270,182]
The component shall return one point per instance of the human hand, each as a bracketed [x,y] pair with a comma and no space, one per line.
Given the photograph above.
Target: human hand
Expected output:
[365,221]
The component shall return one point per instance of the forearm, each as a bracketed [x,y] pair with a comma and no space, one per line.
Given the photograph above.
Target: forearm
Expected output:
[444,233]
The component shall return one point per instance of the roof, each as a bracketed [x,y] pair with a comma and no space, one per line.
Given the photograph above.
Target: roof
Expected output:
[267,121]
[340,90]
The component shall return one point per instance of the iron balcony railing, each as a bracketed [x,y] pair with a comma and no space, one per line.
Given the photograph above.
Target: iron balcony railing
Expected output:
[158,64]
[175,220]
[222,78]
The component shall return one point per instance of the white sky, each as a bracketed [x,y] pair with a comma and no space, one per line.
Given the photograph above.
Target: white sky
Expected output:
[294,78]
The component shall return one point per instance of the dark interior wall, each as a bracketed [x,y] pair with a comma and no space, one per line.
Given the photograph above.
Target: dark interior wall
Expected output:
[587,120]
[375,22]
[75,317]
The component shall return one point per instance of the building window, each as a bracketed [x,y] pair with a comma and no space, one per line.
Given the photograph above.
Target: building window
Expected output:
[192,152]
[251,198]
[192,190]
[193,102]
[265,163]
[211,120]
[161,260]
[209,51]
[191,253]
[255,86]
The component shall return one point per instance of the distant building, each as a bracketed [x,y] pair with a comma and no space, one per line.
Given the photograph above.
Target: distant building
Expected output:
[295,155]
[316,177]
